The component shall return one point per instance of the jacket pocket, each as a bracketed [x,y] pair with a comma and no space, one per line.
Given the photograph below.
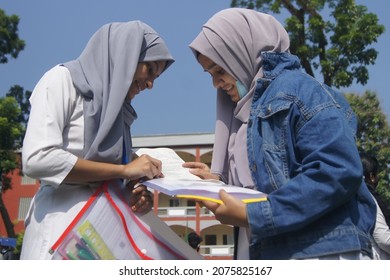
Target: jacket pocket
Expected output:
[273,128]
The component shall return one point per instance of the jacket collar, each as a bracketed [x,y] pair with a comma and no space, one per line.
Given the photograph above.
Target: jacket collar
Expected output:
[275,63]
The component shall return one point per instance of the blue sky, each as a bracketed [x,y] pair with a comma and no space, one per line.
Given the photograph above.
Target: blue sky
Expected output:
[183,99]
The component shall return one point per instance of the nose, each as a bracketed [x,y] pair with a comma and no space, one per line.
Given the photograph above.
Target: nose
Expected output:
[217,82]
[149,84]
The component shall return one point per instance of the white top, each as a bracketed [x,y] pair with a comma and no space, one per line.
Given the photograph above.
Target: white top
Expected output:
[51,150]
[381,236]
[53,142]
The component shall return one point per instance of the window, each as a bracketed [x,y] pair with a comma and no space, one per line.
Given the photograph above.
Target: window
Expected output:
[28,180]
[224,239]
[191,203]
[210,239]
[227,239]
[174,203]
[24,205]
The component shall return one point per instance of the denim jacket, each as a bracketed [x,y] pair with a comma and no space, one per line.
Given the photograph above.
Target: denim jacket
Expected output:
[302,153]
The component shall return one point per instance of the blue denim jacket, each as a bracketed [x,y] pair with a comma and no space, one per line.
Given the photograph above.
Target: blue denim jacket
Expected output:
[302,152]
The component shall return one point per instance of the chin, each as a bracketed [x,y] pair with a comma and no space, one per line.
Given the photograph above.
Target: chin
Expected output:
[234,99]
[130,96]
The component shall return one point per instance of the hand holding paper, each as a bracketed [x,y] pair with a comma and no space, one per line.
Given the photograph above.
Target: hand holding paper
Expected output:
[178,181]
[144,166]
[232,211]
[200,169]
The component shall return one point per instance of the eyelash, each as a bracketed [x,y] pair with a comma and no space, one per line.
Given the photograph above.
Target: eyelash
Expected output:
[221,71]
[218,71]
[150,69]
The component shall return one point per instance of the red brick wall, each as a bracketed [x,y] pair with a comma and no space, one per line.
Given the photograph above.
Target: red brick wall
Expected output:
[11,200]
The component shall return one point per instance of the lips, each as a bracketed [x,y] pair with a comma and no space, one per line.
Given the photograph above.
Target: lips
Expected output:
[228,89]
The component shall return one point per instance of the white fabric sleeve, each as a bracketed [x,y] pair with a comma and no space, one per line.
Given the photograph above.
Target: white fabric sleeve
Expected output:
[381,232]
[52,104]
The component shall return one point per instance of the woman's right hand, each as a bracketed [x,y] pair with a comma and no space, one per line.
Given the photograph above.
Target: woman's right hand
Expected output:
[142,168]
[200,169]
[145,167]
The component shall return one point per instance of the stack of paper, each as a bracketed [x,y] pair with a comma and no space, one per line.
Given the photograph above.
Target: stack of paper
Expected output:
[171,163]
[203,189]
[179,182]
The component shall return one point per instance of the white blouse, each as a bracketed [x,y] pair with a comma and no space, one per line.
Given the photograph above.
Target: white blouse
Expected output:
[55,132]
[381,236]
[53,142]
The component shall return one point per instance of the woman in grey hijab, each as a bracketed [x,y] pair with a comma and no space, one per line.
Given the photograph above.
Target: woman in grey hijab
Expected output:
[281,132]
[78,134]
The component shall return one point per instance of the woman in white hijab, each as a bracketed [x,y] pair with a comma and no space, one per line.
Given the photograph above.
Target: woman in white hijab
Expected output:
[78,134]
[281,132]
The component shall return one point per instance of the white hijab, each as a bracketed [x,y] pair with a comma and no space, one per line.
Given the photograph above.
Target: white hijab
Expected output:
[102,74]
[234,39]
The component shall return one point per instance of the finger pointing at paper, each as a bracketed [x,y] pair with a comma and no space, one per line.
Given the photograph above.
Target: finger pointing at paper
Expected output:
[144,167]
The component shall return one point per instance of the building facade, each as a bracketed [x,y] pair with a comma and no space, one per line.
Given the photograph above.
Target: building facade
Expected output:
[182,215]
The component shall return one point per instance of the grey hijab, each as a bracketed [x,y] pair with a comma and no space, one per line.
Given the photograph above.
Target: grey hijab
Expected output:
[102,74]
[234,39]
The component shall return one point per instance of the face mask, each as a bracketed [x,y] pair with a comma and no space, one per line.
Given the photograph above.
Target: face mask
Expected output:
[242,90]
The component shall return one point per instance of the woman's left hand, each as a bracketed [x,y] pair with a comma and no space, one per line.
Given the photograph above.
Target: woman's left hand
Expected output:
[200,169]
[141,199]
[232,211]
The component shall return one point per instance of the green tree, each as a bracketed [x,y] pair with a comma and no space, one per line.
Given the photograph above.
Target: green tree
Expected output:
[22,97]
[373,135]
[10,43]
[333,37]
[10,131]
[12,119]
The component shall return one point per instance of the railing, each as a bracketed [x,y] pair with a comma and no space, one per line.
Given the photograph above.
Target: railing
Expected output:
[216,250]
[182,212]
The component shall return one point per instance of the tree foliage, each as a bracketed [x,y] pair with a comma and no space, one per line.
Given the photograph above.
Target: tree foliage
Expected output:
[10,43]
[373,135]
[10,131]
[22,98]
[13,109]
[333,37]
